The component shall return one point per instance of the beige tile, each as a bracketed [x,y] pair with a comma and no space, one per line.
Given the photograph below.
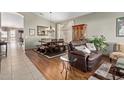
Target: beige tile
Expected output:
[5,64]
[35,72]
[18,63]
[5,76]
[5,67]
[6,70]
[20,69]
[17,66]
[38,76]
[22,76]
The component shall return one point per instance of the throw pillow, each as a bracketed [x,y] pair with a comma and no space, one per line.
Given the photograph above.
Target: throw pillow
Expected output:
[91,46]
[83,48]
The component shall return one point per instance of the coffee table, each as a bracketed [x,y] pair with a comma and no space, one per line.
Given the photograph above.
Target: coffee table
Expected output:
[103,71]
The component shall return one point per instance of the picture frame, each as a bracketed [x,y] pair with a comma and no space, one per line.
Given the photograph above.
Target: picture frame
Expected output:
[41,31]
[120,27]
[31,32]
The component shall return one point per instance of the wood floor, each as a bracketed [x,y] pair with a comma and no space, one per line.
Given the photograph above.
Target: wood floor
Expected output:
[51,68]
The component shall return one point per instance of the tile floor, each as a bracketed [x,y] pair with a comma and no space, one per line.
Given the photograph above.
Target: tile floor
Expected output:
[17,66]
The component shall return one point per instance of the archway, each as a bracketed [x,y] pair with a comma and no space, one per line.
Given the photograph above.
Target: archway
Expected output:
[12,27]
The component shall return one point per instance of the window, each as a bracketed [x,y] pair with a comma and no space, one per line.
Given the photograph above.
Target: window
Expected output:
[13,35]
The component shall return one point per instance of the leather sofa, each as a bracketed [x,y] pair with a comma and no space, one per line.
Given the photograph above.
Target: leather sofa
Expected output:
[85,62]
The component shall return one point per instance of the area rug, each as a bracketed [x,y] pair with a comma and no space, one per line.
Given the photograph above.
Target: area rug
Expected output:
[51,55]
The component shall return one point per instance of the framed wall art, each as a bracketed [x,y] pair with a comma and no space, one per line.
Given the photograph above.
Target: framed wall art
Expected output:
[120,27]
[41,31]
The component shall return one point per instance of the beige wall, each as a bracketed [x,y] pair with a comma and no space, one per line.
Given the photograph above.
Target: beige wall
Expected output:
[102,24]
[32,21]
[0,19]
[64,31]
[0,25]
[98,24]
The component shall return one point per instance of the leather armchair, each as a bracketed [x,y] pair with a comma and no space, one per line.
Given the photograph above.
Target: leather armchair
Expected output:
[85,62]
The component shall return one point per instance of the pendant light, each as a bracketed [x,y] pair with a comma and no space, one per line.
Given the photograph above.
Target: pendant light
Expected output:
[51,29]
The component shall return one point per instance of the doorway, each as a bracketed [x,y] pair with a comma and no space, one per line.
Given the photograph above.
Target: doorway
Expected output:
[12,35]
[11,25]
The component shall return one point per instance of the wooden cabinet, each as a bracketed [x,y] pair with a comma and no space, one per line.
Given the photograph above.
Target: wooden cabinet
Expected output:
[79,32]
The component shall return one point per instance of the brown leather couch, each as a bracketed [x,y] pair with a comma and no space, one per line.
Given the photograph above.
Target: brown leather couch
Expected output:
[85,62]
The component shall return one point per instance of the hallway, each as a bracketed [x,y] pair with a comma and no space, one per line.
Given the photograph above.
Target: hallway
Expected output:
[17,66]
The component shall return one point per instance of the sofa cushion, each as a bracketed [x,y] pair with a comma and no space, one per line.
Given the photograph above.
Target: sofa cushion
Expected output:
[83,48]
[77,43]
[91,46]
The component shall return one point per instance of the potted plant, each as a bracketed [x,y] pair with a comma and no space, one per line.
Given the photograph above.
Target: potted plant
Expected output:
[99,42]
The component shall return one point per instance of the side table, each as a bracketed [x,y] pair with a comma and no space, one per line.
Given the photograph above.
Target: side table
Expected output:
[118,67]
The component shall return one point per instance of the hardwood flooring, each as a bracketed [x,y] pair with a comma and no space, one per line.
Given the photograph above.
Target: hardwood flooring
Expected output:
[51,68]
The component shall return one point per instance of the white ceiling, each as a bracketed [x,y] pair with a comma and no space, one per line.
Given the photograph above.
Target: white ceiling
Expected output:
[60,16]
[12,19]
